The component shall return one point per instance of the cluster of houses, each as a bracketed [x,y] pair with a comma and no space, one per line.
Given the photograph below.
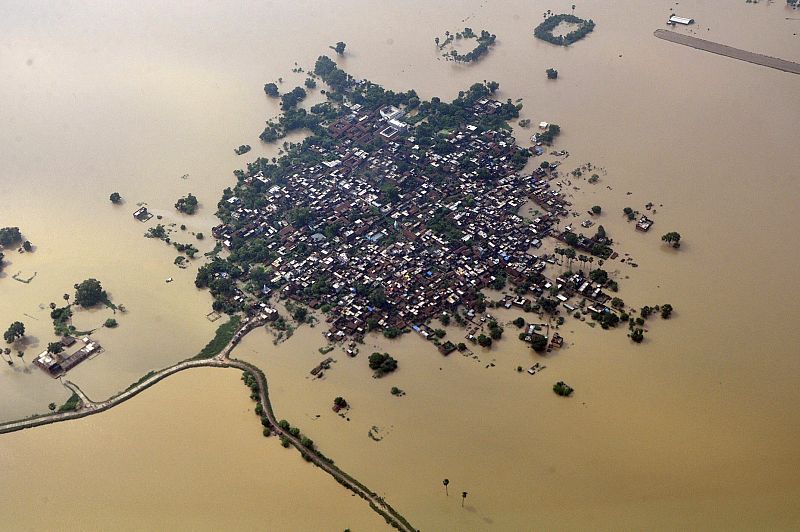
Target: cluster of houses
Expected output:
[57,364]
[397,229]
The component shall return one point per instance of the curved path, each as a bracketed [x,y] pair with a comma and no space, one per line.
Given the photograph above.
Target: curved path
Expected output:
[222,360]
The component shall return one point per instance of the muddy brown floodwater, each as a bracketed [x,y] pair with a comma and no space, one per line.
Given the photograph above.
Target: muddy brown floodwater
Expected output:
[695,428]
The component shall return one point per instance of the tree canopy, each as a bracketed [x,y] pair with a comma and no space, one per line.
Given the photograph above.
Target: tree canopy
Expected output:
[89,293]
[339,47]
[9,236]
[187,204]
[382,363]
[15,331]
[271,89]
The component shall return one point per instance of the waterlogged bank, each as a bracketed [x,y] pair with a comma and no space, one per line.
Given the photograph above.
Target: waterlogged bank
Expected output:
[187,476]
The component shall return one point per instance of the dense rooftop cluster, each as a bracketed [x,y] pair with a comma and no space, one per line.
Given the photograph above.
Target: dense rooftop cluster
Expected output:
[393,212]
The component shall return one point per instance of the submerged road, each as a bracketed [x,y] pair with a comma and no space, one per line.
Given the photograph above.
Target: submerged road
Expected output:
[222,360]
[729,51]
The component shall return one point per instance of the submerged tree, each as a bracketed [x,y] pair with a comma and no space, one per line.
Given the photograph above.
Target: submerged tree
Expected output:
[55,347]
[187,204]
[673,238]
[271,89]
[14,332]
[339,47]
[446,482]
[89,293]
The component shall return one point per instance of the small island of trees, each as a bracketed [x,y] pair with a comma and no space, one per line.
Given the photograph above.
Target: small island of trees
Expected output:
[339,47]
[10,236]
[289,100]
[563,389]
[271,89]
[382,363]
[484,41]
[544,31]
[187,204]
[241,150]
[673,238]
[89,293]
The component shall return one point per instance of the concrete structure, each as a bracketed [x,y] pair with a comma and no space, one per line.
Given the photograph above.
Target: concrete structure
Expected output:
[675,19]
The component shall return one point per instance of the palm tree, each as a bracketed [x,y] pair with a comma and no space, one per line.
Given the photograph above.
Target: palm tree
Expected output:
[570,254]
[66,297]
[446,482]
[463,498]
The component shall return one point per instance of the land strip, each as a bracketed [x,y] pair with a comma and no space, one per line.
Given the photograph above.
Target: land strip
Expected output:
[222,360]
[729,51]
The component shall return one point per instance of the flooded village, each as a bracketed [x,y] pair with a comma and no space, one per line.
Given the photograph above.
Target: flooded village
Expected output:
[678,431]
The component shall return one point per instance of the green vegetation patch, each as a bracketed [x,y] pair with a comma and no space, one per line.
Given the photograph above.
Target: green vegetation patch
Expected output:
[483,42]
[222,337]
[141,379]
[71,405]
[563,389]
[544,31]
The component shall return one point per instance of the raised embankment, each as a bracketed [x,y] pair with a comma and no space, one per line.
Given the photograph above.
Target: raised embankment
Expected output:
[222,360]
[729,51]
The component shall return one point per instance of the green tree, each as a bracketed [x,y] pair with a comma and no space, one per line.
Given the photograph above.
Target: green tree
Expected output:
[596,209]
[446,482]
[570,254]
[115,198]
[563,389]
[9,236]
[673,238]
[339,48]
[55,347]
[187,204]
[629,213]
[89,293]
[271,90]
[463,497]
[552,73]
[666,311]
[599,276]
[15,331]
[377,297]
[382,363]
[539,343]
